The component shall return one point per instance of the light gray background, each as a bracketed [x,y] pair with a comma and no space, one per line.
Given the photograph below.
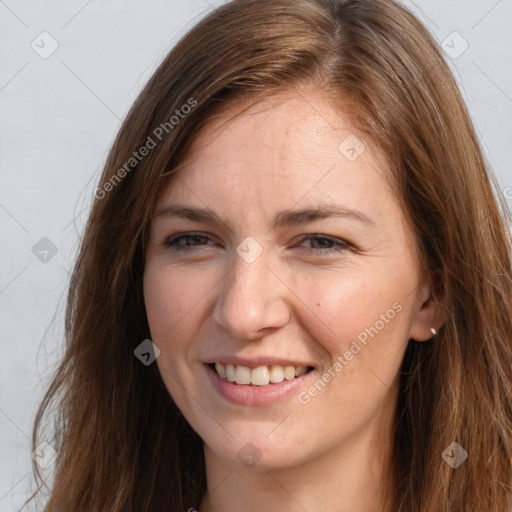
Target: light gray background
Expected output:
[59,116]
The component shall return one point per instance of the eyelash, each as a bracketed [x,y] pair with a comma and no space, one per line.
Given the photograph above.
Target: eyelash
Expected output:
[341,245]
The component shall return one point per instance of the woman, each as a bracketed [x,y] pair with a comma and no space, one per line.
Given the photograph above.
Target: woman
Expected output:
[294,288]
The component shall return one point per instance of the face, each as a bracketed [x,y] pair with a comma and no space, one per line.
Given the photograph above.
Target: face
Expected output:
[279,248]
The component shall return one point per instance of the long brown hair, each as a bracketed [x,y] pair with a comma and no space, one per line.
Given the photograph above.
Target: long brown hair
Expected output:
[122,444]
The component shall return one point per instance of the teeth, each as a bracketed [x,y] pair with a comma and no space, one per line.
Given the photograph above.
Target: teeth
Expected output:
[220,370]
[242,375]
[289,372]
[260,376]
[276,374]
[301,370]
[230,372]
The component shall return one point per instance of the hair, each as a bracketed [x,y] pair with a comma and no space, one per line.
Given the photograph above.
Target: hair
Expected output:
[121,442]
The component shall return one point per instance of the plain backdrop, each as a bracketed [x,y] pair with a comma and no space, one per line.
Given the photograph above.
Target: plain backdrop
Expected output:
[59,115]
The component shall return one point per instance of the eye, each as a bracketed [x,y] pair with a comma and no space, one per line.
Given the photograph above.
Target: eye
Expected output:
[185,241]
[325,243]
[188,242]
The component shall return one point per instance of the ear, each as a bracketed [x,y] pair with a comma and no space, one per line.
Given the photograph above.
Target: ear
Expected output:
[429,312]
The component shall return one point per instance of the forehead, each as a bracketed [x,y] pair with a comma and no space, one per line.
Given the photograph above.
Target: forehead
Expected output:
[275,122]
[292,141]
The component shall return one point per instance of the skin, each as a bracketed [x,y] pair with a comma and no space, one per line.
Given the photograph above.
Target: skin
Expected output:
[298,299]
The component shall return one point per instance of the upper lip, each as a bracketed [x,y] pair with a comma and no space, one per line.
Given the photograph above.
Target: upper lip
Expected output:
[254,362]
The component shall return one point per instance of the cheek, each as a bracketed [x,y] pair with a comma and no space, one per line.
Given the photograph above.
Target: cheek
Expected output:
[171,294]
[173,302]
[360,321]
[341,307]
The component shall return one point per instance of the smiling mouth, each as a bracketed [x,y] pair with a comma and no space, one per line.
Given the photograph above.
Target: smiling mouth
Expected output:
[259,376]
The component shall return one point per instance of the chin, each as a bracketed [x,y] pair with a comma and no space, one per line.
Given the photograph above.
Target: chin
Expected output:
[253,448]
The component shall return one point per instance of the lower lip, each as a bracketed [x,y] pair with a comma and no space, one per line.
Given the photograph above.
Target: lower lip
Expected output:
[245,394]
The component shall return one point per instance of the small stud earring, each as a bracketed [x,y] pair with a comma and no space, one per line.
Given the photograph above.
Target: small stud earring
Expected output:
[433,331]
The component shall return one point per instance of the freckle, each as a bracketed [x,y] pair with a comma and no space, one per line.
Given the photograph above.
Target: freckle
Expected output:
[318,303]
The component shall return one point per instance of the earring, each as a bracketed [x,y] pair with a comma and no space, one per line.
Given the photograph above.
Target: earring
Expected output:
[433,331]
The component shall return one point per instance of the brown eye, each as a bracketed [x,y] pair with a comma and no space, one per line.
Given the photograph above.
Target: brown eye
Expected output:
[325,244]
[182,241]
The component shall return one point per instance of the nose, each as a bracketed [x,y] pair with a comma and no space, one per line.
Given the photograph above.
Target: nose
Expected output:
[252,301]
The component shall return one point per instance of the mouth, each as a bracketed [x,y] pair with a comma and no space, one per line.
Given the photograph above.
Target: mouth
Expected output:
[264,375]
[262,385]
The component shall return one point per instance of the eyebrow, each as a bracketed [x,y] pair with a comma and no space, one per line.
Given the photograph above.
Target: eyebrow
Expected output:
[282,219]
